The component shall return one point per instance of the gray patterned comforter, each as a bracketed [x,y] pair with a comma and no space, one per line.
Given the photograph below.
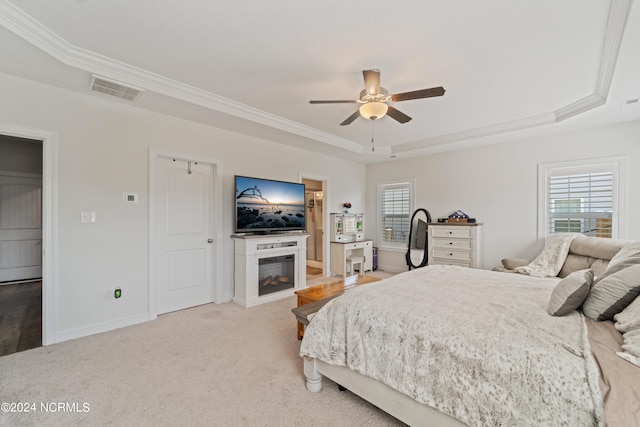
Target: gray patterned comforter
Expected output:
[475,344]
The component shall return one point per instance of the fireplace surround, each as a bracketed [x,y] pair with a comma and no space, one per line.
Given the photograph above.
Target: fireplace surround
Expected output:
[268,267]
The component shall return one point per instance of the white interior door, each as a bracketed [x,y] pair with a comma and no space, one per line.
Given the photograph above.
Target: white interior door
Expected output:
[184,213]
[20,228]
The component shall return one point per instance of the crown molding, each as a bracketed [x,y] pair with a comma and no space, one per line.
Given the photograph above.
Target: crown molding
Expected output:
[35,33]
[618,15]
[439,143]
[580,106]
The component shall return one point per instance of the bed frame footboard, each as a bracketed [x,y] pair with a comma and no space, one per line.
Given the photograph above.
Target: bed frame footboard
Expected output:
[399,405]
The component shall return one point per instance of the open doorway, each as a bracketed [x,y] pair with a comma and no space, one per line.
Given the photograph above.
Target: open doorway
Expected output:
[21,171]
[314,205]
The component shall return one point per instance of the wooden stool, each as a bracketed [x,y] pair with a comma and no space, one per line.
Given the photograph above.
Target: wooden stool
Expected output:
[352,261]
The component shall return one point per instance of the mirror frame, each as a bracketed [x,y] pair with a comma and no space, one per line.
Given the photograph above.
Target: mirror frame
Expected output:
[425,256]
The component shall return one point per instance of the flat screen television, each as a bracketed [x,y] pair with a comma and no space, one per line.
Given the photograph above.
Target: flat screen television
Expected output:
[267,205]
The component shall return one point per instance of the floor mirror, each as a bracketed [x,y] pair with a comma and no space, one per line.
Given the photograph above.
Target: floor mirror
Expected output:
[417,255]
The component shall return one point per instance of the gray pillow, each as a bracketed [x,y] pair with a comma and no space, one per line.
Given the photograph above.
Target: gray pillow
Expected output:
[570,292]
[511,263]
[612,294]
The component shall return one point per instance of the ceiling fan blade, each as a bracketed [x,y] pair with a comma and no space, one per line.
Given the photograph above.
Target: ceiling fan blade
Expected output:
[371,81]
[397,115]
[351,118]
[336,101]
[417,94]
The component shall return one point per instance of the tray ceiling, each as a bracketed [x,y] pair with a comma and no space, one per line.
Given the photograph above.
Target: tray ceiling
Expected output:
[511,69]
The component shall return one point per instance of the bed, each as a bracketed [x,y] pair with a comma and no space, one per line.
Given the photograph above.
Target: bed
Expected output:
[452,346]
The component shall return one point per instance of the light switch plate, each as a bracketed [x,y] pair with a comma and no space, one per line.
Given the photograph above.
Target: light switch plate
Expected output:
[87,217]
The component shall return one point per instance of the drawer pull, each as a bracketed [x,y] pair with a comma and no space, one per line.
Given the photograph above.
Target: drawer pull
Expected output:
[451,232]
[451,243]
[450,254]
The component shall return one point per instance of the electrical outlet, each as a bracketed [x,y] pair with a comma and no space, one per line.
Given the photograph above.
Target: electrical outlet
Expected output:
[130,198]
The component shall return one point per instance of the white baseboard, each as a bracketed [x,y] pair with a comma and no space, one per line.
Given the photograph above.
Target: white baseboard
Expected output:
[391,268]
[224,298]
[101,327]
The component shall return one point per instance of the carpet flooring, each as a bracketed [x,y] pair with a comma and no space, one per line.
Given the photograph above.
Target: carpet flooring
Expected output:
[213,365]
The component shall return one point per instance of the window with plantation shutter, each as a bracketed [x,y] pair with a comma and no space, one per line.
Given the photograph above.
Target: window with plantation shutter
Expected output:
[395,207]
[580,197]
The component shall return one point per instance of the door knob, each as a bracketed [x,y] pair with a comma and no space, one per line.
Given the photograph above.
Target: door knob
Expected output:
[209,240]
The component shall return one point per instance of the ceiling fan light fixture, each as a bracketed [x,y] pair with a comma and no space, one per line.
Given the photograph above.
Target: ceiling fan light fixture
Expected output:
[373,110]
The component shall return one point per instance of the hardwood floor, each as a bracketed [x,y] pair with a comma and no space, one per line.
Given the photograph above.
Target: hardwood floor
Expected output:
[20,317]
[313,272]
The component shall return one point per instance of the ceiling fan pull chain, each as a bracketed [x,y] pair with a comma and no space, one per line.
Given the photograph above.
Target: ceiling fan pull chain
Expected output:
[373,148]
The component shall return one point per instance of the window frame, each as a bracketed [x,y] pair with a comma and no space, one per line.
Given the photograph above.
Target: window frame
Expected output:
[381,186]
[615,164]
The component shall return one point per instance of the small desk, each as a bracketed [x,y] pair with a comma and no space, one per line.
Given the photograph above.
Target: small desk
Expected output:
[332,288]
[340,251]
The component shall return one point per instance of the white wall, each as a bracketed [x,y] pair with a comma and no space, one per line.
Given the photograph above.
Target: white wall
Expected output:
[497,185]
[102,152]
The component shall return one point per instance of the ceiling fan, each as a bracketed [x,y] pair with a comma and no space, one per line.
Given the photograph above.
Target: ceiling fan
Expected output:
[374,99]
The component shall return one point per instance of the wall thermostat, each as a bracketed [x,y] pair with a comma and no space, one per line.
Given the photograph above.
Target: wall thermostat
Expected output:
[130,198]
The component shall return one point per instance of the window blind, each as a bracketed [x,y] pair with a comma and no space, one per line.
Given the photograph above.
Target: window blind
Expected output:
[395,210]
[581,203]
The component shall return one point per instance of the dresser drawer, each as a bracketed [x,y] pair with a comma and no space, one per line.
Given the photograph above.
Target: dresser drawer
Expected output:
[358,245]
[465,244]
[452,262]
[455,232]
[453,255]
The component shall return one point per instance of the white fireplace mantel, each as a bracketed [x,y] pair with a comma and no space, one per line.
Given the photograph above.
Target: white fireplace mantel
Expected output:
[250,248]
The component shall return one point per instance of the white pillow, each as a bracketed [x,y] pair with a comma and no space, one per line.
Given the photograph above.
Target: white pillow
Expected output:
[629,318]
[570,292]
[631,347]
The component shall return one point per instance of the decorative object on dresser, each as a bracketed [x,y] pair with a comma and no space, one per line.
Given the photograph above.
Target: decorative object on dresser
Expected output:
[455,244]
[456,217]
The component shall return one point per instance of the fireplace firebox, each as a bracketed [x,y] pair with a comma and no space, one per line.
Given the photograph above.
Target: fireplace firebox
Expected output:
[276,274]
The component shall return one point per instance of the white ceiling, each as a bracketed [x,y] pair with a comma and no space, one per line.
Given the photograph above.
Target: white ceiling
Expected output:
[512,69]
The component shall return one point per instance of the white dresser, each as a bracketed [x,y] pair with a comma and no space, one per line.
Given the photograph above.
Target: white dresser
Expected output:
[455,244]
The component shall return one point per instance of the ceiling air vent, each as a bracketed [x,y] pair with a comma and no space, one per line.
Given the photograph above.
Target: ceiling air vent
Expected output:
[113,88]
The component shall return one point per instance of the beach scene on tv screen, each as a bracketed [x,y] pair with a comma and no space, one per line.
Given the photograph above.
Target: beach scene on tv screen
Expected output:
[265,204]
